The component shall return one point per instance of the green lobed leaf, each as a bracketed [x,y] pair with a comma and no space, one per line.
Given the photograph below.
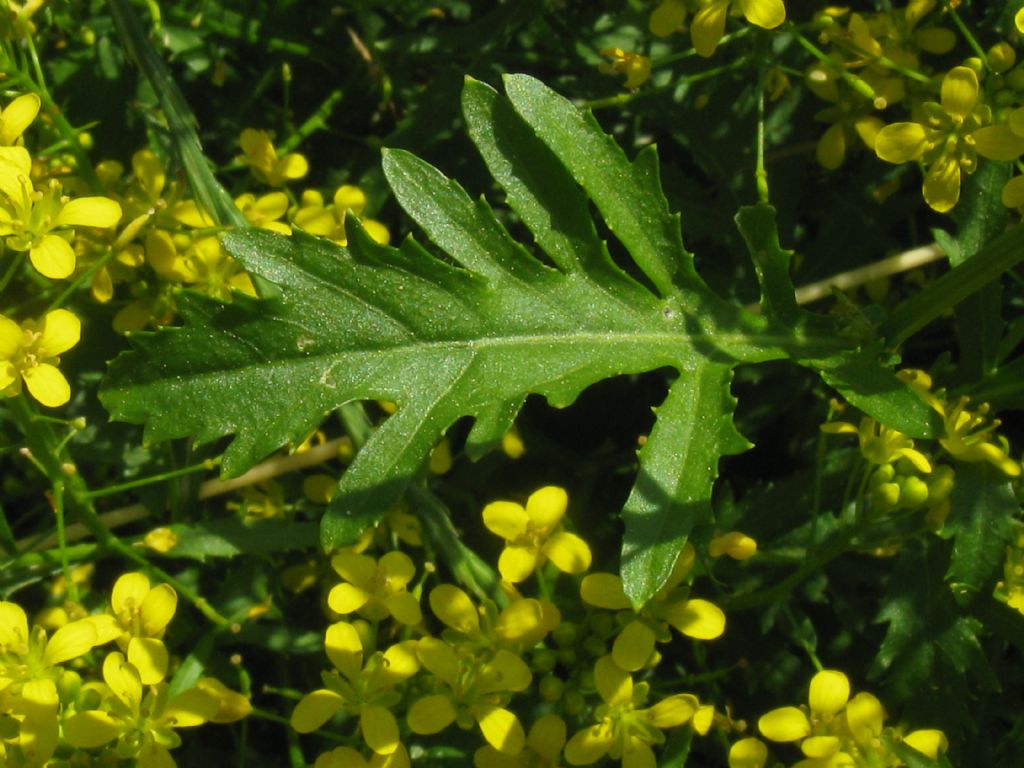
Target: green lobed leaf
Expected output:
[981,508]
[444,341]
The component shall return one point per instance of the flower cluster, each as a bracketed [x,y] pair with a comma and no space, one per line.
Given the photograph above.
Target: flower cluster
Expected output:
[833,729]
[587,677]
[56,706]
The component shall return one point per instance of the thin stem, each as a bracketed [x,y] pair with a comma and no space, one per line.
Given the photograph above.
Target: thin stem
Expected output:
[761,174]
[968,35]
[110,490]
[62,545]
[860,86]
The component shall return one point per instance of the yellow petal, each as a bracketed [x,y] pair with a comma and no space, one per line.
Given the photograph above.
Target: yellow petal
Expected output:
[398,567]
[53,257]
[69,642]
[377,231]
[340,757]
[149,656]
[453,607]
[830,690]
[191,214]
[589,745]
[667,17]
[546,506]
[959,91]
[568,552]
[998,142]
[506,672]
[89,212]
[189,709]
[501,729]
[520,619]
[696,618]
[604,590]
[506,519]
[15,167]
[17,116]
[127,595]
[784,724]
[350,198]
[820,747]
[232,706]
[123,680]
[1012,196]
[439,659]
[942,184]
[158,607]
[547,736]
[47,385]
[1018,20]
[400,662]
[901,142]
[767,14]
[315,709]
[864,716]
[292,166]
[831,149]
[88,730]
[634,646]
[735,544]
[638,755]
[704,718]
[11,337]
[748,753]
[516,563]
[358,569]
[344,648]
[614,684]
[149,171]
[928,742]
[708,26]
[673,711]
[345,598]
[380,731]
[404,607]
[431,714]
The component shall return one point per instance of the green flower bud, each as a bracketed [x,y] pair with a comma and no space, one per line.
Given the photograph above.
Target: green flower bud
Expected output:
[551,688]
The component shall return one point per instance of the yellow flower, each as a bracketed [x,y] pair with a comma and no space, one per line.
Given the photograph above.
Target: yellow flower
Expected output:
[266,166]
[636,67]
[366,691]
[142,613]
[29,353]
[41,221]
[16,117]
[880,444]
[375,589]
[265,211]
[142,725]
[623,730]
[671,605]
[708,24]
[522,624]
[950,138]
[315,217]
[968,436]
[532,535]
[471,691]
[544,745]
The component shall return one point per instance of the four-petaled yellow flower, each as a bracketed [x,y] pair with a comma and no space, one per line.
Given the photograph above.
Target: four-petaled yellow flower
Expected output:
[949,139]
[635,66]
[366,691]
[41,221]
[671,605]
[262,159]
[141,613]
[29,354]
[532,535]
[375,589]
[624,731]
[143,724]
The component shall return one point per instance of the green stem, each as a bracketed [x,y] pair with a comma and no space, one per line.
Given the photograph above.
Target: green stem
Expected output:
[110,490]
[860,86]
[315,122]
[62,544]
[761,173]
[45,447]
[968,35]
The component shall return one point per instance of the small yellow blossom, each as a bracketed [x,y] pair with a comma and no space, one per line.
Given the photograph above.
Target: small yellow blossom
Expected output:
[142,613]
[366,691]
[375,589]
[544,745]
[265,211]
[29,354]
[624,731]
[143,724]
[532,535]
[671,606]
[262,159]
[161,540]
[880,444]
[317,218]
[949,139]
[636,67]
[41,221]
